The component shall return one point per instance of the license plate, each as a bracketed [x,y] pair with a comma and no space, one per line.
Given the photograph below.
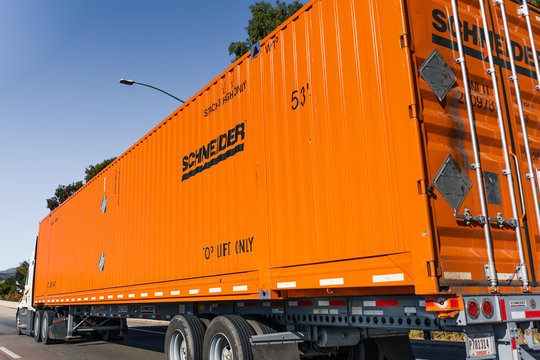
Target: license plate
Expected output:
[480,345]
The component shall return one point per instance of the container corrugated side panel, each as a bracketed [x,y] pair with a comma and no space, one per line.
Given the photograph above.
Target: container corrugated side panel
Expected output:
[330,182]
[343,166]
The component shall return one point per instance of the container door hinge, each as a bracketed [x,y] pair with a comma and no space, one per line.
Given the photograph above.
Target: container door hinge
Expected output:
[433,268]
[405,40]
[413,111]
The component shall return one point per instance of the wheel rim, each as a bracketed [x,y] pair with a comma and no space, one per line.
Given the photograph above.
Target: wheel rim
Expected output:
[44,327]
[220,348]
[36,326]
[178,346]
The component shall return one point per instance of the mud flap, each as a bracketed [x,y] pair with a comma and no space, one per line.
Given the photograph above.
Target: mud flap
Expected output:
[395,347]
[276,351]
[58,330]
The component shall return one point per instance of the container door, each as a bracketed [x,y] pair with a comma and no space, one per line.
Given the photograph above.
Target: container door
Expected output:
[482,193]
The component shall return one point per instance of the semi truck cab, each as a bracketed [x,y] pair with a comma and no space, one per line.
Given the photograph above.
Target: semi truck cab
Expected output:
[25,310]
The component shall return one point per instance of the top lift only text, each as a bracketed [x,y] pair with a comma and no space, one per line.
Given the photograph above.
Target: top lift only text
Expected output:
[226,249]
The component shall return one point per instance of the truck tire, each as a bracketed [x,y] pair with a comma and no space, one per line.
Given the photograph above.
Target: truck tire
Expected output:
[184,338]
[47,320]
[37,325]
[228,336]
[259,327]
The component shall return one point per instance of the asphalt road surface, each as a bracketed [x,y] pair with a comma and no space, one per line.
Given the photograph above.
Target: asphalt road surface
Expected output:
[145,342]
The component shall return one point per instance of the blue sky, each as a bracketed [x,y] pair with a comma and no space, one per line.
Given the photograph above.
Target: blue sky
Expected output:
[61,106]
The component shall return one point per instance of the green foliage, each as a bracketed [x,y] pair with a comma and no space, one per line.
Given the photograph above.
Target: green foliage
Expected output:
[535,2]
[8,287]
[65,191]
[62,193]
[264,19]
[22,272]
[93,170]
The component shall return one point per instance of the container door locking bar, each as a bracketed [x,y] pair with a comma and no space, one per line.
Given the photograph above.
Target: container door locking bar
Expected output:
[522,274]
[492,273]
[480,220]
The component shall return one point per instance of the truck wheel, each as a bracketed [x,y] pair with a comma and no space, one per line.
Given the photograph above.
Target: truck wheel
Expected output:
[227,337]
[259,327]
[47,320]
[37,325]
[18,321]
[184,338]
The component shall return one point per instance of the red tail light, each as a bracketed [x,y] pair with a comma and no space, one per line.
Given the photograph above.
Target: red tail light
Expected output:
[473,309]
[487,308]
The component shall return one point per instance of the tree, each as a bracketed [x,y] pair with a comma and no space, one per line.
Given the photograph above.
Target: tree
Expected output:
[63,192]
[22,272]
[93,170]
[264,19]
[535,2]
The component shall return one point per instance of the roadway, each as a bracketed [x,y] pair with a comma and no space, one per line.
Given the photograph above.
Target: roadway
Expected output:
[145,342]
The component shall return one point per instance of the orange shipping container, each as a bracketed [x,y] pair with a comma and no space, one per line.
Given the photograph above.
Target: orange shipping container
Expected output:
[322,163]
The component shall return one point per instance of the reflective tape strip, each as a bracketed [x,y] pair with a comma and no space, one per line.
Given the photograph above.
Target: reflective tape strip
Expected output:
[289,284]
[532,314]
[193,291]
[503,310]
[240,288]
[144,294]
[101,297]
[214,290]
[110,296]
[158,293]
[175,292]
[388,278]
[328,282]
[131,295]
[120,296]
[518,314]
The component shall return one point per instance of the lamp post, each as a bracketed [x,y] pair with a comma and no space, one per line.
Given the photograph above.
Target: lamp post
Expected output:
[131,82]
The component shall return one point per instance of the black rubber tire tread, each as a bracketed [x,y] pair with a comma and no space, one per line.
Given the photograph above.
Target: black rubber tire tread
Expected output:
[48,315]
[192,330]
[206,319]
[235,328]
[259,327]
[37,329]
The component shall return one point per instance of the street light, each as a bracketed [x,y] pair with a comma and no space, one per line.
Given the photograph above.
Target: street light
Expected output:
[131,82]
